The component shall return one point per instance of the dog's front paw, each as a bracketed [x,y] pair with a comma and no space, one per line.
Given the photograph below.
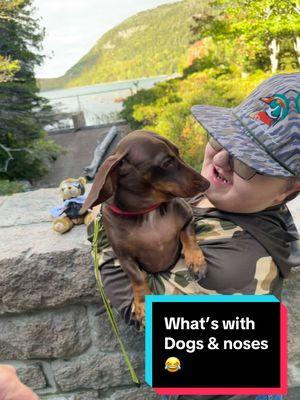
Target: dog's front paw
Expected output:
[139,313]
[140,290]
[196,264]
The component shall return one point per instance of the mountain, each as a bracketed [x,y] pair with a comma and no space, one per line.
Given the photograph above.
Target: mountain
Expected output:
[152,42]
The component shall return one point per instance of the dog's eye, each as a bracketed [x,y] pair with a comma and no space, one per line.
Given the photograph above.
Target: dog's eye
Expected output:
[168,162]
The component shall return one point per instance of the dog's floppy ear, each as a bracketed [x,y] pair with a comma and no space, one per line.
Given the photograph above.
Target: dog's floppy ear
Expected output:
[103,186]
[171,145]
[165,140]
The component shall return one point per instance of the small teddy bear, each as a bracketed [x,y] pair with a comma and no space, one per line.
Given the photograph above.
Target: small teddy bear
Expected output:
[72,191]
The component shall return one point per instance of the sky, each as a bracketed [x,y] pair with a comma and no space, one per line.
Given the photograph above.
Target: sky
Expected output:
[74,26]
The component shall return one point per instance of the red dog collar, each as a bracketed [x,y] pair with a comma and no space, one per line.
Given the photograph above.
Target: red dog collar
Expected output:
[118,211]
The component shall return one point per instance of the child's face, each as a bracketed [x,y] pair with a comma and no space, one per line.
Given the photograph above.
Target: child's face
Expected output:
[229,192]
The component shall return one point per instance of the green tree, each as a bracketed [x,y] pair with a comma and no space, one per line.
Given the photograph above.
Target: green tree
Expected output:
[24,149]
[265,34]
[7,69]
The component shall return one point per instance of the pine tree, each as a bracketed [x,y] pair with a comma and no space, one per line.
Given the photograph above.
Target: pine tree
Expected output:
[24,150]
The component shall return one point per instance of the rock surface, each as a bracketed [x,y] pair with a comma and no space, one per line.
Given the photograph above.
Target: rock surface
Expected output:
[130,394]
[46,334]
[41,280]
[95,371]
[104,337]
[32,376]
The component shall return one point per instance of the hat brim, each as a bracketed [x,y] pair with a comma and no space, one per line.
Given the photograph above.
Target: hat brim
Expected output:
[222,125]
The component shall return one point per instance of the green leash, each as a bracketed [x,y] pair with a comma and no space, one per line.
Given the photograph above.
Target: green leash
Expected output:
[98,226]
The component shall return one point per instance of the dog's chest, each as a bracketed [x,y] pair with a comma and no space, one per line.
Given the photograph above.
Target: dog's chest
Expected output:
[153,240]
[155,233]
[150,231]
[155,243]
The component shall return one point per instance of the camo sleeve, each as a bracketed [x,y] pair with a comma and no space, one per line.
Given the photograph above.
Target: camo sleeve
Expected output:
[236,262]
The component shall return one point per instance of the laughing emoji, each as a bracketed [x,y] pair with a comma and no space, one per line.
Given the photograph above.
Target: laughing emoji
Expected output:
[172,364]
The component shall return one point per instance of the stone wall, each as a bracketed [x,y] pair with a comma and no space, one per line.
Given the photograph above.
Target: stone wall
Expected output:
[49,327]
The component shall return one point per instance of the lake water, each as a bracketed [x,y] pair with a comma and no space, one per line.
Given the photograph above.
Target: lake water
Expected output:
[100,103]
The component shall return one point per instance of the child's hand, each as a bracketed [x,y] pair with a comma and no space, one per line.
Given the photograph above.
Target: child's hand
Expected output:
[11,388]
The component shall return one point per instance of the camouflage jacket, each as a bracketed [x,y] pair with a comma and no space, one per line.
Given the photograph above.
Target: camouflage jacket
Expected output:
[245,254]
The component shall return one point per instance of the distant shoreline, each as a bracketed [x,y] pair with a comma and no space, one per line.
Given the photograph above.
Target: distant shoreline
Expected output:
[100,103]
[127,81]
[108,86]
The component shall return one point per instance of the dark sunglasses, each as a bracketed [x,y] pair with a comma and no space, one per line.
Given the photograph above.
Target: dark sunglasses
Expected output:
[241,169]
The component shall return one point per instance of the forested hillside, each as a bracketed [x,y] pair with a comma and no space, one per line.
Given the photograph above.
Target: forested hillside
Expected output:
[150,43]
[236,45]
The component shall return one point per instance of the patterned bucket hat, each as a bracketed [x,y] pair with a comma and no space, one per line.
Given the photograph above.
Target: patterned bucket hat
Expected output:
[264,130]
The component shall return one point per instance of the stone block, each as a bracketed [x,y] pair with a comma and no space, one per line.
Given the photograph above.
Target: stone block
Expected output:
[58,397]
[3,199]
[32,376]
[86,396]
[95,371]
[28,208]
[90,395]
[104,337]
[141,393]
[53,334]
[38,267]
[293,394]
[44,280]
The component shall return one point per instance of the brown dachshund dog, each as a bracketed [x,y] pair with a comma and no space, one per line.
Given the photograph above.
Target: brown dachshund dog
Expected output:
[145,218]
